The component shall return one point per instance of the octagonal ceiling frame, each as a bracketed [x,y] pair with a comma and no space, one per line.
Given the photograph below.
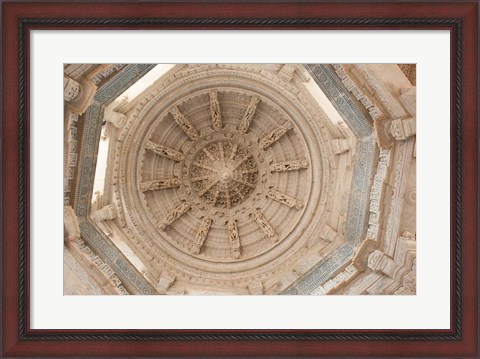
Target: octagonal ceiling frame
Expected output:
[128,274]
[132,280]
[367,153]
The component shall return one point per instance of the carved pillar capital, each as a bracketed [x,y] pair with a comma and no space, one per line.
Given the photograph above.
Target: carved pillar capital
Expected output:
[256,287]
[340,146]
[402,129]
[328,233]
[117,119]
[165,282]
[71,88]
[286,73]
[106,213]
[78,94]
[387,131]
[380,262]
[360,258]
[71,229]
[408,98]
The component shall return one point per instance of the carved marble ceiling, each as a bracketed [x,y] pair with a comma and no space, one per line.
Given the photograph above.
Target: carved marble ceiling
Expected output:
[229,179]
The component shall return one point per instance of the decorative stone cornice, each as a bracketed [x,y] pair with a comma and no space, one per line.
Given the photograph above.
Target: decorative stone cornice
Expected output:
[102,272]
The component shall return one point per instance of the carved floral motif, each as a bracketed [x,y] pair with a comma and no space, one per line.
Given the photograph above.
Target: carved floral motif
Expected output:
[224,174]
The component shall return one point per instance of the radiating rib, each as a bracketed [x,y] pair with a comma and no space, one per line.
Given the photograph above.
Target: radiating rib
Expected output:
[163,183]
[207,188]
[227,197]
[215,111]
[275,135]
[234,151]
[222,153]
[284,199]
[201,178]
[215,197]
[205,167]
[183,122]
[239,163]
[249,113]
[264,225]
[245,183]
[234,238]
[209,154]
[251,170]
[289,166]
[240,194]
[164,151]
[201,235]
[176,213]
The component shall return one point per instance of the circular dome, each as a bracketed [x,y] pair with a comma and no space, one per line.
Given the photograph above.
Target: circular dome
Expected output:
[218,180]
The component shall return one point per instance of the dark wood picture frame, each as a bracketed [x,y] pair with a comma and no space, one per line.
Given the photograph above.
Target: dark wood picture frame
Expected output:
[460,18]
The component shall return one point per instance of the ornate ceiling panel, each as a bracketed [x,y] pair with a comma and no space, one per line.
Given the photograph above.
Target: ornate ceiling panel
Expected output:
[238,179]
[227,174]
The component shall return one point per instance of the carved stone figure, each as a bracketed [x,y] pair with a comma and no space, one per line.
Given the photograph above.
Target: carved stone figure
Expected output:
[176,213]
[183,122]
[249,113]
[286,166]
[201,235]
[275,135]
[264,225]
[164,151]
[159,184]
[284,199]
[234,238]
[215,111]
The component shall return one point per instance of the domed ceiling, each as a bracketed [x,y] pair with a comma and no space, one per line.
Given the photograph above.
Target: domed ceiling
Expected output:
[222,175]
[228,179]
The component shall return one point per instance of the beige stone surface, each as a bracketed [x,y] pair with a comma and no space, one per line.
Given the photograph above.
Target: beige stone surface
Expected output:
[233,179]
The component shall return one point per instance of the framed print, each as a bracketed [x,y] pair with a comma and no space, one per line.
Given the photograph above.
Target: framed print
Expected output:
[240,179]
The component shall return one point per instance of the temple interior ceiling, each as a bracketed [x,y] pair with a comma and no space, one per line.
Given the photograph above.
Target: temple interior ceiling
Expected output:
[239,179]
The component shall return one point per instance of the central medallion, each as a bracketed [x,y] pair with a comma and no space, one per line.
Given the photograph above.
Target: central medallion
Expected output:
[223,173]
